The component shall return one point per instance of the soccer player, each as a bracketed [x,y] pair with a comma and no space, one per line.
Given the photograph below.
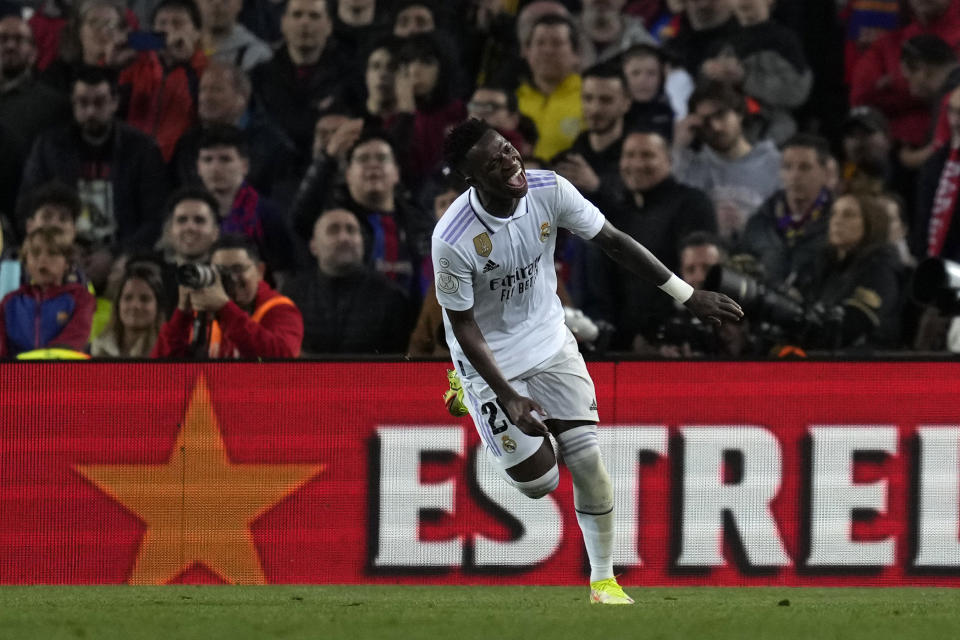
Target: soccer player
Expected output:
[521,372]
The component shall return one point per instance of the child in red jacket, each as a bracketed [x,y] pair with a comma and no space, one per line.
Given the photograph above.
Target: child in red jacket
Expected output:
[46,312]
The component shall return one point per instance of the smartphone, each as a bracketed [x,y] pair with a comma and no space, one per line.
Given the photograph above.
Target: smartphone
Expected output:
[147,40]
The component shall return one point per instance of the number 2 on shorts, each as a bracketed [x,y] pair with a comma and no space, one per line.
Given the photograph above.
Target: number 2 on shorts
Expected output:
[489,409]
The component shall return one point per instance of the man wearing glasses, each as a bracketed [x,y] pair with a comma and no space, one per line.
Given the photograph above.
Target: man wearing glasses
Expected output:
[498,108]
[239,316]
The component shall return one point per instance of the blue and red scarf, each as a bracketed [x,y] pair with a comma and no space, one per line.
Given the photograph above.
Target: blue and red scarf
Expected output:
[792,228]
[243,217]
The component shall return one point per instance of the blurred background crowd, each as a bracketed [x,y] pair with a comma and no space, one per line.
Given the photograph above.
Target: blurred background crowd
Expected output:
[260,178]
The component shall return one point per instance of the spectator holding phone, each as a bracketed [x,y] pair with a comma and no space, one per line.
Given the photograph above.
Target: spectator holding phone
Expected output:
[163,84]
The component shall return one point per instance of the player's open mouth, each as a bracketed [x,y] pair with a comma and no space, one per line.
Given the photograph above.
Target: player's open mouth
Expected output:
[518,180]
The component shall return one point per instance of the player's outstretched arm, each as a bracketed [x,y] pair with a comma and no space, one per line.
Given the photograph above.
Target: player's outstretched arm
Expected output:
[475,347]
[709,306]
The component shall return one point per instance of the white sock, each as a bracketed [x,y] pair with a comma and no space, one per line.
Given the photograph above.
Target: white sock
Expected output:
[592,497]
[598,538]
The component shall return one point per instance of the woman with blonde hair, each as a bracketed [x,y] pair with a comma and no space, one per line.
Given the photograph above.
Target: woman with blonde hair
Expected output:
[136,317]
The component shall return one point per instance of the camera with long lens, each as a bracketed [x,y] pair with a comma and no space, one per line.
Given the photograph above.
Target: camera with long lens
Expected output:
[936,283]
[201,276]
[685,329]
[775,316]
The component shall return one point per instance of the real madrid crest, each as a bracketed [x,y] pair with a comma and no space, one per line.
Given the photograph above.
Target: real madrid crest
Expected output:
[544,231]
[509,444]
[483,244]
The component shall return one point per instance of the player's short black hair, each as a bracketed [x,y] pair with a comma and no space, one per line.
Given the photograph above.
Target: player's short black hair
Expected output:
[606,71]
[810,141]
[459,141]
[224,135]
[189,6]
[192,193]
[927,50]
[237,241]
[724,94]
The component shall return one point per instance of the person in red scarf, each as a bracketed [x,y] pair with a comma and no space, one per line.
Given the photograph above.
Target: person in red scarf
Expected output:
[223,161]
[936,232]
[163,85]
[240,316]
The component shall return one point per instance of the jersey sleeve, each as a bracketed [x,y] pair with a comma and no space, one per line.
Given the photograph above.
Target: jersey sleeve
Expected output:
[576,213]
[453,277]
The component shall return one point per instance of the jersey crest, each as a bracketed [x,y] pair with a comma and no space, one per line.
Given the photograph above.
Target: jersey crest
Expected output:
[544,231]
[482,244]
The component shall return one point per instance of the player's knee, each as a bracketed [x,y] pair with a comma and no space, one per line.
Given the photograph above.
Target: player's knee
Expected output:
[541,486]
[592,489]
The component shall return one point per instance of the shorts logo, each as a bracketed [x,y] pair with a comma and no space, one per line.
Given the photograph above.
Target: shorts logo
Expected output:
[447,283]
[544,231]
[593,405]
[509,444]
[482,244]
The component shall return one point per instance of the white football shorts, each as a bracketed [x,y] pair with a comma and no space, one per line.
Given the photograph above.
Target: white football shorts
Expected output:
[561,385]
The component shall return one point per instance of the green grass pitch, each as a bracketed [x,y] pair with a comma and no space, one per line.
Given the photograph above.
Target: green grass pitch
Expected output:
[465,613]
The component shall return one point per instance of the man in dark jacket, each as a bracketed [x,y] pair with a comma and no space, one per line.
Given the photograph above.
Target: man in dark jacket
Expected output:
[705,24]
[116,169]
[27,106]
[788,231]
[224,99]
[653,209]
[347,306]
[396,232]
[305,75]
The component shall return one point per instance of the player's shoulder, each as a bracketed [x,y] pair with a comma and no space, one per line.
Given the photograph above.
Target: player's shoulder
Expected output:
[455,220]
[540,179]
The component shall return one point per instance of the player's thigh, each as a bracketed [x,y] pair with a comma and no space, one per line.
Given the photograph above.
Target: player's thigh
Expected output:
[508,446]
[565,390]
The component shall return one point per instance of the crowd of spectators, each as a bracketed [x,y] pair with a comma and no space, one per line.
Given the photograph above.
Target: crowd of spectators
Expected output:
[260,178]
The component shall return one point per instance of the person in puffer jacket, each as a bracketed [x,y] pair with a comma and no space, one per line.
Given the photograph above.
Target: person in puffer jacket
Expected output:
[46,312]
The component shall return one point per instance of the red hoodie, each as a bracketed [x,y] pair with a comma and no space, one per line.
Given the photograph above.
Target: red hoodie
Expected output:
[163,101]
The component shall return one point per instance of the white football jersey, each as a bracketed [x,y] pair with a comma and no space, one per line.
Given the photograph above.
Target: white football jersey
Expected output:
[503,269]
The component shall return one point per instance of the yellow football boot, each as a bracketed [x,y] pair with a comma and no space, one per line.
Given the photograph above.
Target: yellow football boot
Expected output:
[608,592]
[453,397]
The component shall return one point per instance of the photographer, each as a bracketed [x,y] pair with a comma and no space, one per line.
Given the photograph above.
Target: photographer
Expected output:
[236,315]
[679,335]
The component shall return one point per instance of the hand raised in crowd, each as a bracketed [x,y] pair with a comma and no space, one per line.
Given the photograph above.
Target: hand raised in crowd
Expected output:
[715,308]
[487,11]
[685,130]
[578,171]
[344,137]
[403,83]
[724,68]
